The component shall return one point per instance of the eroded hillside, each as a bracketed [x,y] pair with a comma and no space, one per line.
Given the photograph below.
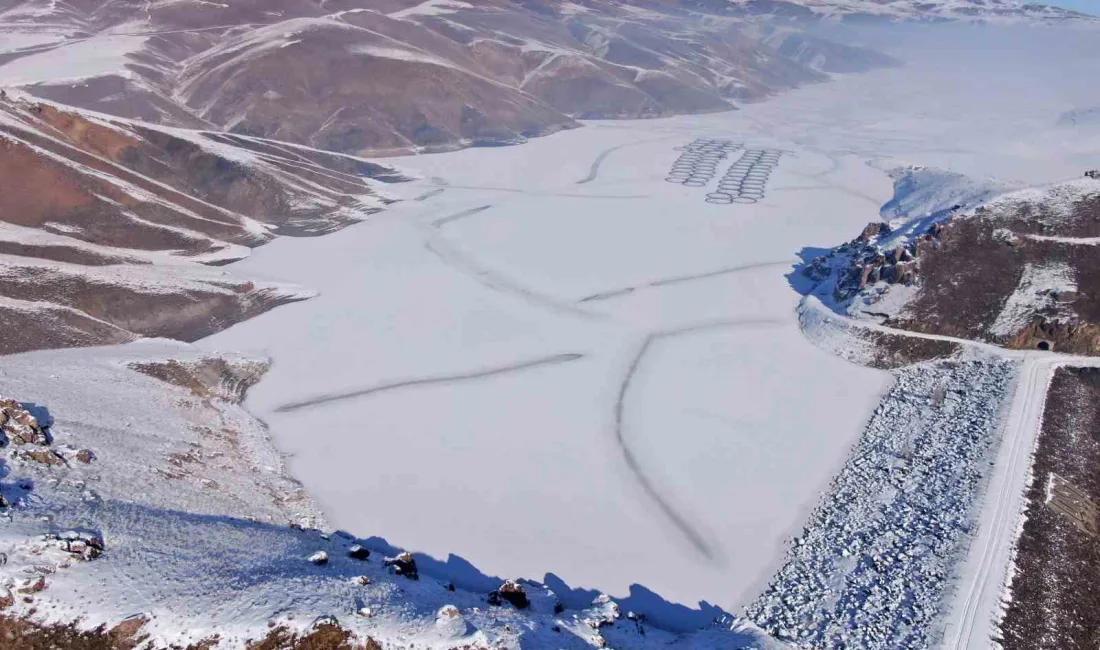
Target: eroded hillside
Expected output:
[110,230]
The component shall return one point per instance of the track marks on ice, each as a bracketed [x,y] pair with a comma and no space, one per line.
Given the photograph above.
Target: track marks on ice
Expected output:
[460,261]
[594,170]
[679,279]
[692,535]
[442,221]
[429,381]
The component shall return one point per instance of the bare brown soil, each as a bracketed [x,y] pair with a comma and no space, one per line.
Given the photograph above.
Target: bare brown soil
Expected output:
[894,351]
[209,378]
[1055,601]
[122,187]
[966,282]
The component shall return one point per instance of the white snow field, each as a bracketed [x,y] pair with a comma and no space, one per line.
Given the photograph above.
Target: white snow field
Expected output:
[548,359]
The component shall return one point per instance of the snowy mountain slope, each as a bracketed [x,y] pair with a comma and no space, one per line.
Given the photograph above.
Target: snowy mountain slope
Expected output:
[399,77]
[108,228]
[994,12]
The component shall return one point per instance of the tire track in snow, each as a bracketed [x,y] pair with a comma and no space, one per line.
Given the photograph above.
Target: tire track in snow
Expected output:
[572,195]
[428,381]
[427,195]
[594,170]
[1025,421]
[694,537]
[678,279]
[463,263]
[438,223]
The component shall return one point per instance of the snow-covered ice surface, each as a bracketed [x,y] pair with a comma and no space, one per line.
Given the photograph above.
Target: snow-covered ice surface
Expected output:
[605,380]
[560,358]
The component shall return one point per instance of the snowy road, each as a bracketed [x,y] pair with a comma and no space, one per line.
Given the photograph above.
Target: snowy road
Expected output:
[973,609]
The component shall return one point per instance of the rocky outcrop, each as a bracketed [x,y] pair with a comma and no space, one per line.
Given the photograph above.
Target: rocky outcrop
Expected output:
[1019,270]
[19,427]
[86,546]
[510,592]
[864,262]
[403,565]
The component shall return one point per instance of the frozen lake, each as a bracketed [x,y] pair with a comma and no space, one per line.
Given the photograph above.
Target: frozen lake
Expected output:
[605,379]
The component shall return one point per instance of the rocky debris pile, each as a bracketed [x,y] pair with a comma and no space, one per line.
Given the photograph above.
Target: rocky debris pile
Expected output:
[403,565]
[86,546]
[863,261]
[47,457]
[19,427]
[872,564]
[510,592]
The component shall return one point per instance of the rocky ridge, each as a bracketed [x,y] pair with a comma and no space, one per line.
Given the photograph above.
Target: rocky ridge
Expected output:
[1014,271]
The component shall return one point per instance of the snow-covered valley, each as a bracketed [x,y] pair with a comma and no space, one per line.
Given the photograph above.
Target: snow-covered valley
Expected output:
[552,362]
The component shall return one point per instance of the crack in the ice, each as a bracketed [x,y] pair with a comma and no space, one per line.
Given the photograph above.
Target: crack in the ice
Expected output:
[424,381]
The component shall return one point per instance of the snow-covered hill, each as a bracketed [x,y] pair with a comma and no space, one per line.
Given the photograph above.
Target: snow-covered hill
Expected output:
[997,12]
[397,76]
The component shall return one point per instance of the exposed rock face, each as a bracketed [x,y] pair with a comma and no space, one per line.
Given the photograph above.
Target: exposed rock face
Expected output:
[19,427]
[869,264]
[86,546]
[513,593]
[1019,271]
[403,565]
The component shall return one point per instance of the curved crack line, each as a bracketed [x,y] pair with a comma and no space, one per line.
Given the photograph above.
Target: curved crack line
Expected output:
[694,537]
[663,282]
[425,381]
